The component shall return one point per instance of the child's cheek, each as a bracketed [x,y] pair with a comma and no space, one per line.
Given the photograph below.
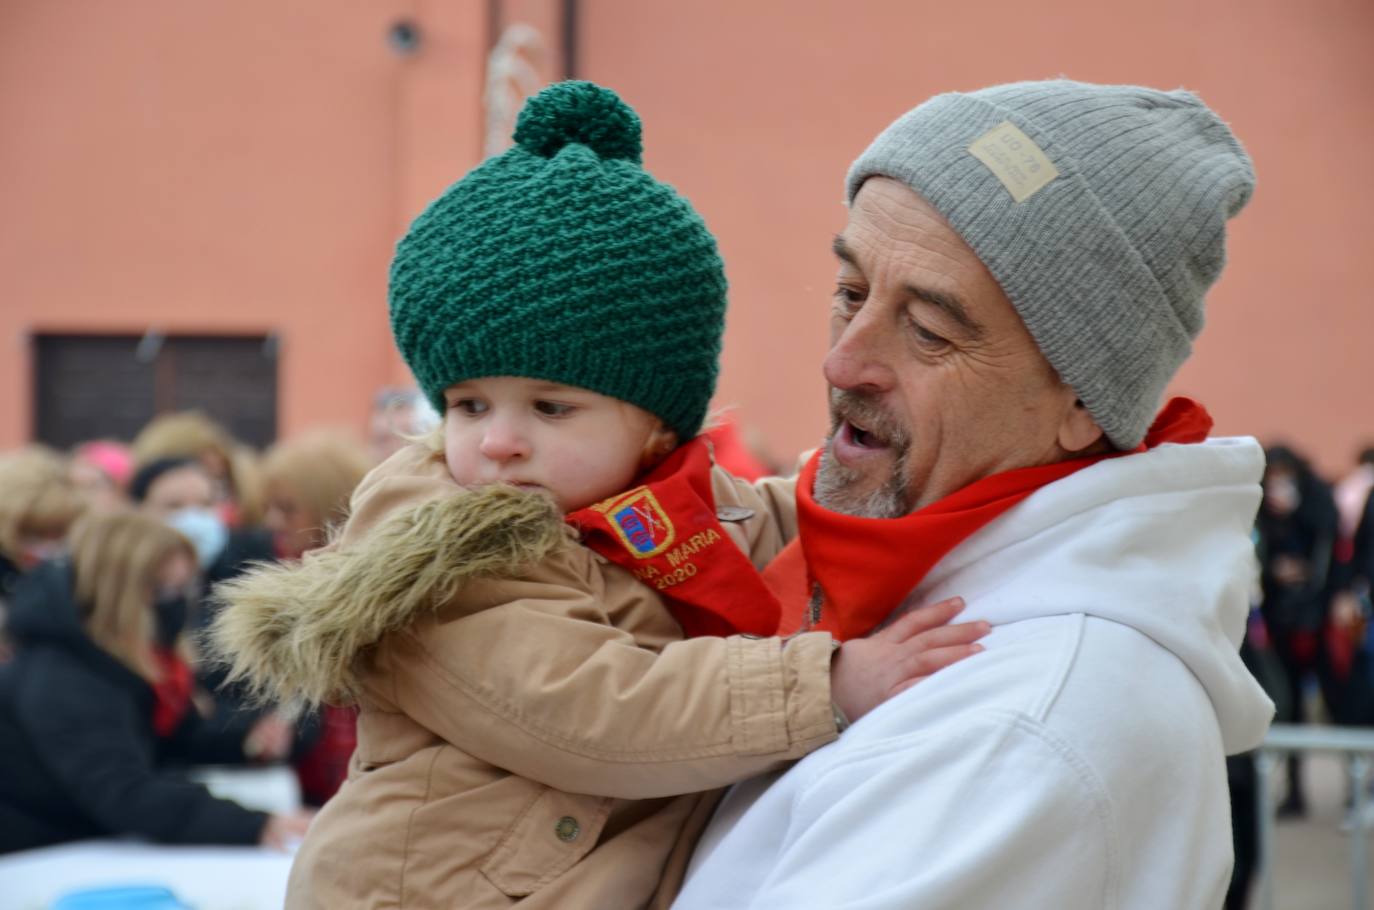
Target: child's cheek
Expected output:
[460,454]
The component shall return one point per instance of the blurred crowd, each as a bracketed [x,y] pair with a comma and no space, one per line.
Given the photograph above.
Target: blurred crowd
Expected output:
[1310,641]
[109,554]
[1311,637]
[108,558]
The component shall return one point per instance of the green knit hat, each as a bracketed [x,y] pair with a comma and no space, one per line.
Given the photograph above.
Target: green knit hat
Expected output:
[563,259]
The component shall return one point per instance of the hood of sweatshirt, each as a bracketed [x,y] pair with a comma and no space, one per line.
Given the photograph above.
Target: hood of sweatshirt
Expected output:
[1158,541]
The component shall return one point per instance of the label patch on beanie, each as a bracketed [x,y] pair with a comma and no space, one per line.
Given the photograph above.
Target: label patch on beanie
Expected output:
[1015,159]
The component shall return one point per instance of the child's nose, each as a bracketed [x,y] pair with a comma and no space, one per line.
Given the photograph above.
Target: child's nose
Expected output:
[503,441]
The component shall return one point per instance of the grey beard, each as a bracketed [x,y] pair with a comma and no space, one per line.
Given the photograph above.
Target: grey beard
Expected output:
[835,483]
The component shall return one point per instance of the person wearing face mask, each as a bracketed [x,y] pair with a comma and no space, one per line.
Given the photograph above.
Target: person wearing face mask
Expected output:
[229,464]
[180,493]
[95,708]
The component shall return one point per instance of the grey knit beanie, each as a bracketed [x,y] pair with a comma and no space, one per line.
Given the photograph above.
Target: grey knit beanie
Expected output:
[1101,211]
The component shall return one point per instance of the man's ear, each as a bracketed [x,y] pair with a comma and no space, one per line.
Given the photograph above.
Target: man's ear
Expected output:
[1078,430]
[660,442]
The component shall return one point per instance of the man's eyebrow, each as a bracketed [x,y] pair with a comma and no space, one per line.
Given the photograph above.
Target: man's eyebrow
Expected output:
[950,304]
[843,252]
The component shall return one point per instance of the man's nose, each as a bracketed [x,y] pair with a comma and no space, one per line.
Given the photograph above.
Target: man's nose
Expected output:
[503,440]
[861,357]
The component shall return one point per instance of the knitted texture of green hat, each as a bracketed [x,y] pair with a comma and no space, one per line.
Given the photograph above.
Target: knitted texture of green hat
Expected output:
[562,259]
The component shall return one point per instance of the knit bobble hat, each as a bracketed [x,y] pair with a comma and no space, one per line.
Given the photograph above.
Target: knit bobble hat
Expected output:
[1101,211]
[562,259]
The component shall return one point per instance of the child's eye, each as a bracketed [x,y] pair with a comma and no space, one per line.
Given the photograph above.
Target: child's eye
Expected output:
[470,406]
[553,408]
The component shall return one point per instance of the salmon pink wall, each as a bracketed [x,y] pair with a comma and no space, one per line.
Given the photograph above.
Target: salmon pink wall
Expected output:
[225,168]
[247,167]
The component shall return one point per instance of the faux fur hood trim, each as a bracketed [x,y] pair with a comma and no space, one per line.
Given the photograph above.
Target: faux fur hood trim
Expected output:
[298,633]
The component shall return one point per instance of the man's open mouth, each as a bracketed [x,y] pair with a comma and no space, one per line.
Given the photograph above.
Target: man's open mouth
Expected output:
[862,437]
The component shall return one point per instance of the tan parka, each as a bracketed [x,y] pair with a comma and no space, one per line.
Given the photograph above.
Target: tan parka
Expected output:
[530,718]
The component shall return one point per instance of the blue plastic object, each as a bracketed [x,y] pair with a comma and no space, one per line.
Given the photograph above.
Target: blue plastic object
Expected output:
[120,897]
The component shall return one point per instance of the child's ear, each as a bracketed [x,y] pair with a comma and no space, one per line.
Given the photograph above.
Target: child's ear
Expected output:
[659,443]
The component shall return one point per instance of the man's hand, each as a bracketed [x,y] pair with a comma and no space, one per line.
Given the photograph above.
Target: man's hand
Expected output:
[284,832]
[868,671]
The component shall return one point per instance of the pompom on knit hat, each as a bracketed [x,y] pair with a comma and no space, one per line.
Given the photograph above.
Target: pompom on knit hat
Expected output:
[1100,209]
[562,259]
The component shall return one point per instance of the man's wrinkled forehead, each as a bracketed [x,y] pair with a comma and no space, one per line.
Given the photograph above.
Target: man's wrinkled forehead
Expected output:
[888,217]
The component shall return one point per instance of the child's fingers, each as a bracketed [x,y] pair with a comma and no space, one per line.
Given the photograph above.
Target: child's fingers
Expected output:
[927,662]
[943,636]
[923,619]
[902,687]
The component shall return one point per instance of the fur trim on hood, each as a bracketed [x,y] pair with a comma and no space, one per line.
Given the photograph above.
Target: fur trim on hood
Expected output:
[298,633]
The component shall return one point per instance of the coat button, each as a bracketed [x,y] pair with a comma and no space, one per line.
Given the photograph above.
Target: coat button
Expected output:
[567,829]
[734,513]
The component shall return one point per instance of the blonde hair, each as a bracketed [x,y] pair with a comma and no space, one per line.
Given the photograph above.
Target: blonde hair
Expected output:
[433,440]
[245,473]
[180,435]
[115,560]
[191,434]
[321,468]
[37,497]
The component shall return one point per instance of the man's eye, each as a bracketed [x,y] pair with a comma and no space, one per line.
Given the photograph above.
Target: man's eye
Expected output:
[926,337]
[848,300]
[469,406]
[553,408]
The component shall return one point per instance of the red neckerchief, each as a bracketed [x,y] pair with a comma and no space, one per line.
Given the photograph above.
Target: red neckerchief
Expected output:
[665,531]
[865,567]
[171,692]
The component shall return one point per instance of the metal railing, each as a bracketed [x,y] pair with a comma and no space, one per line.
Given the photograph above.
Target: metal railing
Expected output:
[1358,747]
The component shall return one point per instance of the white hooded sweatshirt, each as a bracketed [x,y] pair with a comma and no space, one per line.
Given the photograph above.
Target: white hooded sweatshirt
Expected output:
[1076,764]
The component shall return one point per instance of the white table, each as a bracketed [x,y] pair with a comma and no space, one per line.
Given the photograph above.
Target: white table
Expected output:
[207,878]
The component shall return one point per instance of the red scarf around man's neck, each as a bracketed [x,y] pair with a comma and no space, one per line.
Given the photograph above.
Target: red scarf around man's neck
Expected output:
[860,569]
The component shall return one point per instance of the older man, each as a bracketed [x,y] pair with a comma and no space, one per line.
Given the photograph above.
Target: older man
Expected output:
[1022,272]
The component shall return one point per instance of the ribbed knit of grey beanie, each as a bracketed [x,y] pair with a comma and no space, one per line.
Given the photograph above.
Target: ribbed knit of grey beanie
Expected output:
[1100,209]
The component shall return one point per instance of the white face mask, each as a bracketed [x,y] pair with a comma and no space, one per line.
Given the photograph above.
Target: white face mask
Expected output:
[206,530]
